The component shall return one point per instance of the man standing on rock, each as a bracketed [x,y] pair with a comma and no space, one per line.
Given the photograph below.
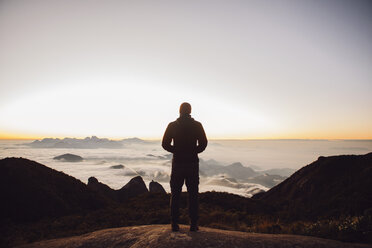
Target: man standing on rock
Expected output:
[189,139]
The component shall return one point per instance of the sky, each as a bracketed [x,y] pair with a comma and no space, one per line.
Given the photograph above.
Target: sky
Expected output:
[250,69]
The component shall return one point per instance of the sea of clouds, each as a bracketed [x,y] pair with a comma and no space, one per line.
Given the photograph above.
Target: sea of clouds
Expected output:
[223,166]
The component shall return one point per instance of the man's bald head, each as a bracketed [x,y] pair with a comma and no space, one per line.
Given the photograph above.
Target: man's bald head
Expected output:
[185,108]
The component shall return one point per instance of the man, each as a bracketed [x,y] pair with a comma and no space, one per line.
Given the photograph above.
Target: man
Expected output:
[188,140]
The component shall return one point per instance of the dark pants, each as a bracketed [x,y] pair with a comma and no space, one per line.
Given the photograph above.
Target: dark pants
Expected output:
[189,173]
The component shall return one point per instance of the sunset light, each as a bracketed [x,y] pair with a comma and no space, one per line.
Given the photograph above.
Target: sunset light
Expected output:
[122,70]
[261,110]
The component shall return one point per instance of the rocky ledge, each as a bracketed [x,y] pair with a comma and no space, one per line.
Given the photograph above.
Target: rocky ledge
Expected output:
[160,236]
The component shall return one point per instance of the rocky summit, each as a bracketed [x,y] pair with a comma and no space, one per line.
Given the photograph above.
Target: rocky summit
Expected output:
[134,187]
[161,236]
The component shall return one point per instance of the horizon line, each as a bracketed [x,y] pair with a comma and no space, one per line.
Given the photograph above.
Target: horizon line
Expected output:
[158,139]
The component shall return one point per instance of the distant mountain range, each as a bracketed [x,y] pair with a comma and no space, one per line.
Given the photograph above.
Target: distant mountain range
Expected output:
[241,174]
[86,143]
[234,175]
[235,170]
[209,168]
[284,172]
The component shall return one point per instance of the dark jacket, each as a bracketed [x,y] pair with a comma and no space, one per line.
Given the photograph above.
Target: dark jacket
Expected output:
[188,137]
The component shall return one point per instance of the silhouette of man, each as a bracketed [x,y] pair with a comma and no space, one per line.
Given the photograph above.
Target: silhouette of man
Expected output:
[189,139]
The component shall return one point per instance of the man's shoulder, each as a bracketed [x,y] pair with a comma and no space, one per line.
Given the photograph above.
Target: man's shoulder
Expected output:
[197,122]
[172,123]
[177,122]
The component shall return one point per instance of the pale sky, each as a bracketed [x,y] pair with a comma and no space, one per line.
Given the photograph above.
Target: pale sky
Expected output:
[250,69]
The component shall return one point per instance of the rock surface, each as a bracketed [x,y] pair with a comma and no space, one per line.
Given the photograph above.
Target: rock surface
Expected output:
[160,236]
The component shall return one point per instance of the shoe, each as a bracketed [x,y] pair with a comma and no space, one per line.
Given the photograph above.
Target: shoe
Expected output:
[194,227]
[175,227]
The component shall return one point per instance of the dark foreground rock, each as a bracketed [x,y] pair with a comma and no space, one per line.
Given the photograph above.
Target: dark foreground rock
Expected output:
[156,187]
[330,186]
[31,191]
[160,236]
[136,186]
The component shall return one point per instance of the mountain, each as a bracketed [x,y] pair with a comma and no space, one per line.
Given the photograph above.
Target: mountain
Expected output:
[235,170]
[134,140]
[102,189]
[134,187]
[160,236]
[119,166]
[241,174]
[330,186]
[238,171]
[267,180]
[221,182]
[68,157]
[86,143]
[284,172]
[31,191]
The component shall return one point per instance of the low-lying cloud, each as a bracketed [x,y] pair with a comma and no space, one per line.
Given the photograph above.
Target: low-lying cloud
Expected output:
[239,167]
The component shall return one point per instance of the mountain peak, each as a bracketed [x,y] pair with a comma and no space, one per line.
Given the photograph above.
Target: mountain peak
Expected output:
[134,187]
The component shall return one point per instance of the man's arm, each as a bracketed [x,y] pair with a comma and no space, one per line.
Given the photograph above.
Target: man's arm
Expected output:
[202,140]
[167,139]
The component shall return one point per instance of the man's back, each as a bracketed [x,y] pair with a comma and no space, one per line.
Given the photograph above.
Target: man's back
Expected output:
[188,137]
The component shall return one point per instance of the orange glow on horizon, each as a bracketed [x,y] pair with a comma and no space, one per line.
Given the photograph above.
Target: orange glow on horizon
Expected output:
[309,136]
